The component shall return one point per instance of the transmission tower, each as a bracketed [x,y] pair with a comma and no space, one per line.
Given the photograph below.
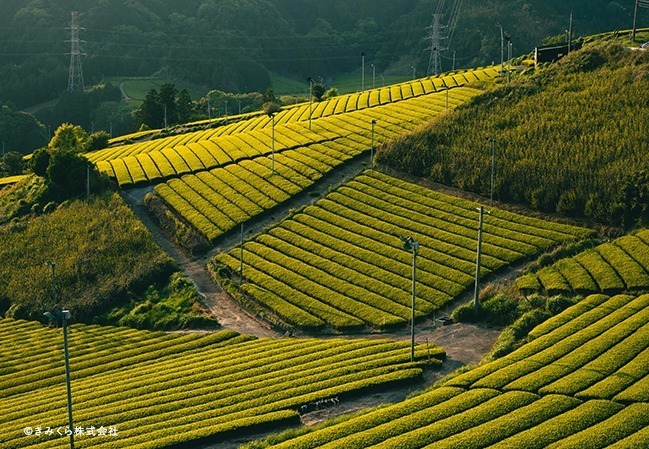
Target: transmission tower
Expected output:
[436,38]
[75,79]
[441,35]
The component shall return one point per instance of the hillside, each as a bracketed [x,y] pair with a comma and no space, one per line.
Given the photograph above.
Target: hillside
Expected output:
[305,233]
[570,138]
[233,46]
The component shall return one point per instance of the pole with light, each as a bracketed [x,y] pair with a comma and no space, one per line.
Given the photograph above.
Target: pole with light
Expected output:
[241,259]
[363,72]
[272,117]
[410,245]
[493,164]
[55,315]
[310,80]
[502,50]
[372,148]
[476,305]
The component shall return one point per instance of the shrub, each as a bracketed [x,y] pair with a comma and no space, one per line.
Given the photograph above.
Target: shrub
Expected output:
[558,304]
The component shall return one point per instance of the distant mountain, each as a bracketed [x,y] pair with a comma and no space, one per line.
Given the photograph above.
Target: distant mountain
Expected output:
[232,45]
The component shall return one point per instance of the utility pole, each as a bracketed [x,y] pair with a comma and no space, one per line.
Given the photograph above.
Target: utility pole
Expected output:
[493,163]
[509,56]
[502,51]
[570,34]
[477,260]
[75,78]
[241,259]
[363,72]
[310,80]
[372,148]
[410,245]
[635,18]
[436,37]
[453,60]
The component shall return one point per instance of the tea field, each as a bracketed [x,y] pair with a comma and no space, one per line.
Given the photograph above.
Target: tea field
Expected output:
[620,265]
[156,390]
[581,381]
[340,262]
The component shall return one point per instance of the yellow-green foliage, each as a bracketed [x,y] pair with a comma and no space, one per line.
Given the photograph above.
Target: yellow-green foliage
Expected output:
[100,250]
[601,342]
[622,264]
[160,389]
[569,138]
[341,260]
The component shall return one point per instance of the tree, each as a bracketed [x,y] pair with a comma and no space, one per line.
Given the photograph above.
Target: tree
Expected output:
[69,137]
[67,172]
[184,106]
[151,112]
[269,97]
[98,140]
[13,163]
[20,130]
[40,161]
[317,90]
[168,93]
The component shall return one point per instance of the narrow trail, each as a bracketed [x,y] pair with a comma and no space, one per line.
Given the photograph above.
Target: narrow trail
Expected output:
[229,313]
[464,344]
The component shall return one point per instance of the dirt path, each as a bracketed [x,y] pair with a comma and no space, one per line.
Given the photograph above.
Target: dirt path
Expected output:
[229,313]
[464,344]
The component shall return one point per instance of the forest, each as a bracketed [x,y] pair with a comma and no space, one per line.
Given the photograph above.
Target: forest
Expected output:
[234,45]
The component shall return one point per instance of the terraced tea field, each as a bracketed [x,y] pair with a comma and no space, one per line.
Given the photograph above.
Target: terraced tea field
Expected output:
[162,389]
[582,381]
[396,108]
[620,265]
[340,262]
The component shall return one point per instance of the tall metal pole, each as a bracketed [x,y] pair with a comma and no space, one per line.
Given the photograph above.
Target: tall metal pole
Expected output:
[635,18]
[502,51]
[570,34]
[415,247]
[447,98]
[453,60]
[273,141]
[509,60]
[372,149]
[241,259]
[363,72]
[476,306]
[310,80]
[65,316]
[373,75]
[493,163]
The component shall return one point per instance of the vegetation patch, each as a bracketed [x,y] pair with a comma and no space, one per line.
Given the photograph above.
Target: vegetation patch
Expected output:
[341,263]
[580,151]
[182,389]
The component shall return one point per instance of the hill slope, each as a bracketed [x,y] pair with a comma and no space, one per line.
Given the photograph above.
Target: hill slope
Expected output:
[570,138]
